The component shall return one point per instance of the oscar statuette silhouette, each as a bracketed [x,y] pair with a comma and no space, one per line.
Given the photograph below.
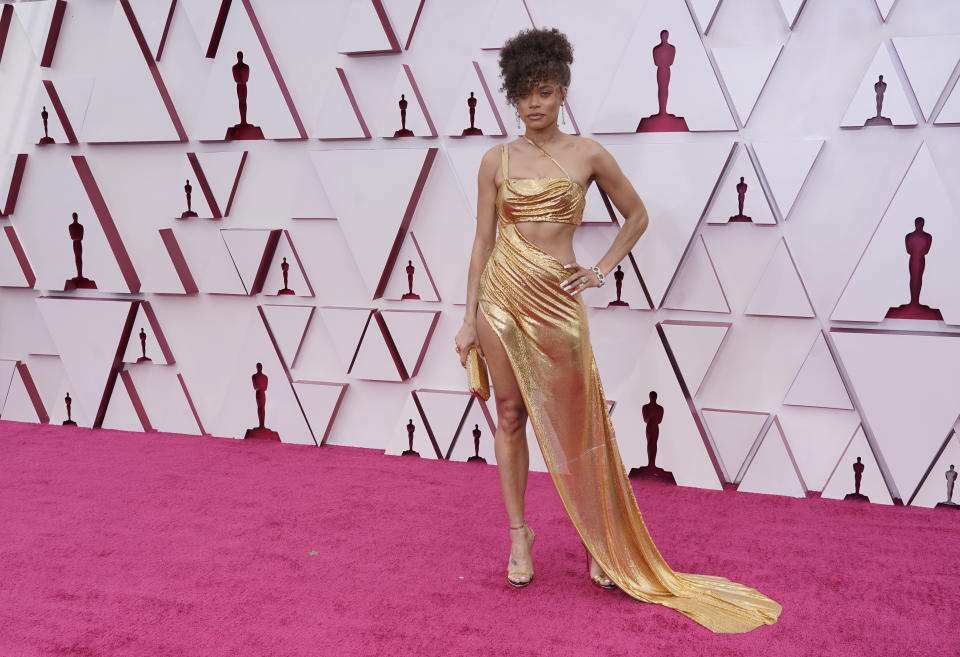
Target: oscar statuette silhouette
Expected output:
[410,269]
[242,130]
[403,132]
[46,139]
[879,88]
[260,389]
[410,428]
[143,346]
[918,243]
[663,55]
[652,416]
[69,421]
[78,282]
[472,106]
[188,190]
[858,468]
[476,458]
[285,268]
[741,195]
[618,279]
[951,476]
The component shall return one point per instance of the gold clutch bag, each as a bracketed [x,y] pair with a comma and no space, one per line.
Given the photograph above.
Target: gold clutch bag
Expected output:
[477,381]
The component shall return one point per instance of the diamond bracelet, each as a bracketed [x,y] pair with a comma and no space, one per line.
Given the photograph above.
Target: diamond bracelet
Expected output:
[599,274]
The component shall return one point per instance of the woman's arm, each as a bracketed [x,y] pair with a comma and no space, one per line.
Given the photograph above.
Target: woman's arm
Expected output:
[486,233]
[621,193]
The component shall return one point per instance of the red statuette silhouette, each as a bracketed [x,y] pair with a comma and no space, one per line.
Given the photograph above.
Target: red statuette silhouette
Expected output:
[68,422]
[260,388]
[857,476]
[78,282]
[46,139]
[618,279]
[476,458]
[918,245]
[188,190]
[652,416]
[285,268]
[243,130]
[410,428]
[663,55]
[741,195]
[403,132]
[879,88]
[410,269]
[472,130]
[143,346]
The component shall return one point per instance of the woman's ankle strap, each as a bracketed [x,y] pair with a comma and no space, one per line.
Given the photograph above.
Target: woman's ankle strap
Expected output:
[521,526]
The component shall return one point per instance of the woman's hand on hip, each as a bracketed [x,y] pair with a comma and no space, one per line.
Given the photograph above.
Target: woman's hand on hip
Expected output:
[580,279]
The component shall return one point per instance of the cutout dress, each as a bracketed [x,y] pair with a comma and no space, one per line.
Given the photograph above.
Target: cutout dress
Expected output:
[545,334]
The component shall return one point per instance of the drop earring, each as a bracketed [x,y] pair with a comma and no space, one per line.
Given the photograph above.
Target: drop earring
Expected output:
[563,116]
[518,120]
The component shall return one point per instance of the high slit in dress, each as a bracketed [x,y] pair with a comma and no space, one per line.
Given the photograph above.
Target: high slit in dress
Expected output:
[545,334]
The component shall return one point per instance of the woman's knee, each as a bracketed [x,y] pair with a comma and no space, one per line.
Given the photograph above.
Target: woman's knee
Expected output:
[511,415]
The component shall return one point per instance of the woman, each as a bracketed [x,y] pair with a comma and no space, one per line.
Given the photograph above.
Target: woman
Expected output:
[532,330]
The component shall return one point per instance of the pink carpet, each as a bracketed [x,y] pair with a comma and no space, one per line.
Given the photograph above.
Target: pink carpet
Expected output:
[155,544]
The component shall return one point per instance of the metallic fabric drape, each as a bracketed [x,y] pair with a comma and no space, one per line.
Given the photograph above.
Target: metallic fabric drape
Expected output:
[544,331]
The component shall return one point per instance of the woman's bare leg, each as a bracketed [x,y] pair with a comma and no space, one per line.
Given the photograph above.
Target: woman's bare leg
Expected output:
[510,440]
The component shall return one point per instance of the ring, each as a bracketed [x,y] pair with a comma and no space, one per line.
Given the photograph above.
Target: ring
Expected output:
[583,279]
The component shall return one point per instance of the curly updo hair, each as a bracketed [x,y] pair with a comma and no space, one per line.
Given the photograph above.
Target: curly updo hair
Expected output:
[533,56]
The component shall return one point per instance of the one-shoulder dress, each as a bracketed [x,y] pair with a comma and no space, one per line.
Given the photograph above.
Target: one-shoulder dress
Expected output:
[545,334]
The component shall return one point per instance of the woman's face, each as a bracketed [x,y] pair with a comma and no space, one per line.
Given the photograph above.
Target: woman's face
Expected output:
[539,107]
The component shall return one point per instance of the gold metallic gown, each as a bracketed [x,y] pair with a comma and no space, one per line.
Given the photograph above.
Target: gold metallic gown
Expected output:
[544,331]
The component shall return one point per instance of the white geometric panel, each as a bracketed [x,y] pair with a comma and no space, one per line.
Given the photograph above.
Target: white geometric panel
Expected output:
[126,104]
[907,387]
[694,346]
[675,181]
[221,171]
[780,291]
[818,381]
[398,441]
[411,331]
[153,17]
[745,70]
[7,369]
[933,489]
[339,116]
[842,478]
[733,433]
[87,333]
[950,112]
[693,90]
[884,7]
[202,16]
[697,286]
[740,253]
[72,96]
[403,15]
[238,410]
[22,402]
[155,352]
[786,165]
[680,447]
[478,417]
[704,11]
[47,377]
[14,267]
[929,62]
[268,104]
[895,104]
[346,326]
[486,117]
[163,398]
[881,280]
[725,203]
[594,209]
[35,19]
[464,157]
[363,31]
[444,411]
[772,469]
[288,325]
[320,402]
[208,259]
[370,222]
[405,89]
[817,438]
[377,358]
[791,10]
[310,201]
[247,247]
[125,412]
[509,17]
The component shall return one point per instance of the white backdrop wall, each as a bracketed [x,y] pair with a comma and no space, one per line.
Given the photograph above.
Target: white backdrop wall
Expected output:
[766,340]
